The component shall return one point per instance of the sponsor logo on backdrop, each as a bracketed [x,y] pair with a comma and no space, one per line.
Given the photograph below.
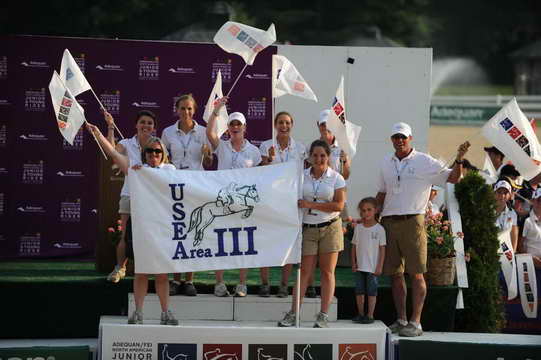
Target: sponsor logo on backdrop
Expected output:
[67,245]
[267,352]
[31,209]
[34,100]
[34,64]
[2,204]
[70,211]
[312,351]
[77,142]
[146,104]
[149,68]
[33,172]
[258,76]
[132,350]
[3,135]
[109,67]
[70,173]
[2,237]
[257,108]
[33,137]
[357,351]
[3,67]
[222,351]
[224,67]
[3,171]
[111,101]
[182,70]
[176,351]
[30,244]
[4,102]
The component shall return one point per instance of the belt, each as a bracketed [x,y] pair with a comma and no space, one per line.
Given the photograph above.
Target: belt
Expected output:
[400,217]
[320,225]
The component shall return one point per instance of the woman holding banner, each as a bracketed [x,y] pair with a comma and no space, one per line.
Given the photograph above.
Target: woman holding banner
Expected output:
[145,124]
[235,153]
[324,195]
[152,154]
[287,149]
[187,143]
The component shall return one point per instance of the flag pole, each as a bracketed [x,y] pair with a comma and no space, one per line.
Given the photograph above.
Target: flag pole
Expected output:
[97,142]
[272,123]
[298,298]
[237,79]
[104,109]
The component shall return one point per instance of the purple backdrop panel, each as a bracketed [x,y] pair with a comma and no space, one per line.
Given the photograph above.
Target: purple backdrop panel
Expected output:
[49,189]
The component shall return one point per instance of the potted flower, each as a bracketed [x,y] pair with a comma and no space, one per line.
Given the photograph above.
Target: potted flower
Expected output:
[441,250]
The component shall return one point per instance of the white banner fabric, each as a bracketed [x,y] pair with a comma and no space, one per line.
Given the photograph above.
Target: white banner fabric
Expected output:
[69,114]
[508,263]
[511,132]
[72,76]
[215,94]
[527,284]
[456,225]
[346,133]
[186,221]
[244,40]
[288,80]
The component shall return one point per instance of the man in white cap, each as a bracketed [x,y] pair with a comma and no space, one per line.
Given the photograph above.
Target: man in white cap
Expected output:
[405,181]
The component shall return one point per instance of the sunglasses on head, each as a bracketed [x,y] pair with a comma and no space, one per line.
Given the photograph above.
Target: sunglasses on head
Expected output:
[155,151]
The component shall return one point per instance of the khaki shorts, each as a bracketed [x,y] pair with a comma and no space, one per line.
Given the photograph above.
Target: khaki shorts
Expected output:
[406,245]
[323,240]
[124,205]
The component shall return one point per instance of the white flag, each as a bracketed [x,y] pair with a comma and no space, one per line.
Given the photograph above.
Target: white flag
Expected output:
[288,80]
[72,76]
[527,284]
[346,133]
[211,220]
[511,132]
[244,40]
[69,114]
[489,172]
[508,263]
[215,94]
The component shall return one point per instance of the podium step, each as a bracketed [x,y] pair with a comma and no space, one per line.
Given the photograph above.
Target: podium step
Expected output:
[249,308]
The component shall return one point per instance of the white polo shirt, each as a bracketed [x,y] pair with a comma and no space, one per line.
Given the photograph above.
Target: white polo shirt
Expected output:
[407,182]
[334,159]
[367,241]
[133,151]
[185,148]
[320,190]
[506,219]
[229,158]
[294,151]
[532,235]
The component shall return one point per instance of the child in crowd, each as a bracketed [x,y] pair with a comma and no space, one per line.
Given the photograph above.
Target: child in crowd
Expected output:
[367,256]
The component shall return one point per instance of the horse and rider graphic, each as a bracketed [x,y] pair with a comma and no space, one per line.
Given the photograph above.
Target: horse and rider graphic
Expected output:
[231,199]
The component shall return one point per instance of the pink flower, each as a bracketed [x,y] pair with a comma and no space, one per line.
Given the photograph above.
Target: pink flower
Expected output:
[119,228]
[460,234]
[111,230]
[445,228]
[119,222]
[439,215]
[439,240]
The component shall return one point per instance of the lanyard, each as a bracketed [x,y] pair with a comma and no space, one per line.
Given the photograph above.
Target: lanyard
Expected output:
[185,146]
[235,156]
[316,184]
[286,150]
[400,168]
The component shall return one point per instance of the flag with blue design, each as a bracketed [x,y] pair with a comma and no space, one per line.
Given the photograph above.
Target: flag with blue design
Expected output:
[72,76]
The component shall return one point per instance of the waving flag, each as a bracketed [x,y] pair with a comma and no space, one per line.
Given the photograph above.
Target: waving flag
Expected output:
[69,114]
[215,94]
[511,132]
[244,40]
[288,80]
[72,76]
[508,263]
[346,133]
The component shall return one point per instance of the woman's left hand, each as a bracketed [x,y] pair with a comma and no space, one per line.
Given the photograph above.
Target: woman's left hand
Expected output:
[137,167]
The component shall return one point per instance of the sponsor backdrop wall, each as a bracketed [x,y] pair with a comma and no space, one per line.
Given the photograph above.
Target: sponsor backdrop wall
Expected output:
[49,190]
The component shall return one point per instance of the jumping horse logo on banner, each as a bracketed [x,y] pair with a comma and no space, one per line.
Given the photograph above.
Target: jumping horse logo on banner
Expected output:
[231,199]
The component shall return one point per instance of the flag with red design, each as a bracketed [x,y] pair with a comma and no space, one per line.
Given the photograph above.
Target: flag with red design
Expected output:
[288,80]
[511,132]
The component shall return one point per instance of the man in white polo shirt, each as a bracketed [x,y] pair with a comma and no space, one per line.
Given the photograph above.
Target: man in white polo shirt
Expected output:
[405,181]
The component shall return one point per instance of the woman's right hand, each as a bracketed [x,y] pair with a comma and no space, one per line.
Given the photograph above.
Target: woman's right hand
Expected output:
[93,129]
[220,103]
[108,118]
[272,154]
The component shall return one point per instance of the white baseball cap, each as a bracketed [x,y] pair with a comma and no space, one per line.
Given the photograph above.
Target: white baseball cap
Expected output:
[502,184]
[536,193]
[324,116]
[401,128]
[236,116]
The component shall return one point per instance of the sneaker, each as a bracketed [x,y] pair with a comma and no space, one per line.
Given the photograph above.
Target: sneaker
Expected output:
[367,320]
[189,289]
[168,318]
[358,319]
[410,330]
[136,317]
[220,290]
[311,292]
[241,290]
[288,320]
[283,291]
[264,290]
[321,320]
[396,327]
[174,288]
[117,274]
